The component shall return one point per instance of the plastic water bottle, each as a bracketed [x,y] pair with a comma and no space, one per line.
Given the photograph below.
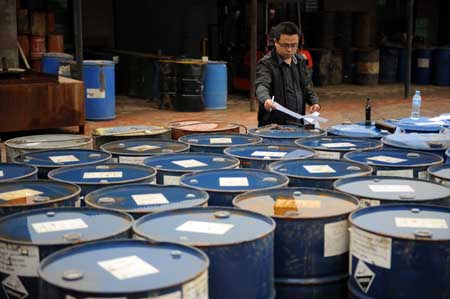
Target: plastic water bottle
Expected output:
[416,102]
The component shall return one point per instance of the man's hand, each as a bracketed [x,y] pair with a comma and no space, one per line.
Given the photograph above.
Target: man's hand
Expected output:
[268,105]
[314,108]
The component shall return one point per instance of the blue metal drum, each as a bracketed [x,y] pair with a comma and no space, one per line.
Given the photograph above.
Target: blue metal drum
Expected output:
[135,151]
[401,163]
[420,125]
[217,142]
[139,200]
[447,154]
[216,85]
[39,233]
[319,173]
[51,62]
[223,185]
[125,269]
[441,67]
[261,155]
[239,245]
[26,195]
[284,134]
[46,161]
[357,130]
[400,251]
[311,239]
[13,172]
[430,142]
[440,174]
[380,190]
[172,166]
[422,66]
[334,147]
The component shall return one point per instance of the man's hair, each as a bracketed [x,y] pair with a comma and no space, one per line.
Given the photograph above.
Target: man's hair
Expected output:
[287,28]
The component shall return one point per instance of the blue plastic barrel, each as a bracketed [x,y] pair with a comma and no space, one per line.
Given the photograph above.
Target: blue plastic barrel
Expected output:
[316,267]
[100,93]
[400,251]
[239,245]
[441,67]
[13,172]
[217,142]
[429,142]
[42,232]
[284,134]
[216,85]
[131,268]
[422,66]
[440,174]
[356,130]
[52,61]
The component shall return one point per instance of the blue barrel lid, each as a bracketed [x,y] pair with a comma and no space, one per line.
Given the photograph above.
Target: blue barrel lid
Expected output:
[15,171]
[357,130]
[49,141]
[412,222]
[392,188]
[35,192]
[58,226]
[417,141]
[63,157]
[204,227]
[123,267]
[219,139]
[320,169]
[298,203]
[285,131]
[234,180]
[144,147]
[339,144]
[440,171]
[191,162]
[269,152]
[102,173]
[394,158]
[61,56]
[422,124]
[98,63]
[125,131]
[144,198]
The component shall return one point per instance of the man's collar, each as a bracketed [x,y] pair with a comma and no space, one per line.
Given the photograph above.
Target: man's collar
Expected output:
[281,60]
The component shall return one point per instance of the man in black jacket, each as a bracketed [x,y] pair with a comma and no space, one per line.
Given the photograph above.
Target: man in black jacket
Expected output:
[282,74]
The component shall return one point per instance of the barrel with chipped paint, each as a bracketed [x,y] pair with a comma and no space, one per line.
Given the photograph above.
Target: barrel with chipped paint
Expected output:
[42,232]
[319,173]
[223,185]
[401,163]
[17,196]
[334,147]
[389,244]
[217,142]
[238,243]
[419,125]
[135,151]
[110,134]
[357,130]
[125,269]
[440,174]
[284,134]
[17,146]
[139,199]
[380,190]
[429,142]
[14,171]
[311,239]
[186,127]
[172,166]
[48,160]
[261,155]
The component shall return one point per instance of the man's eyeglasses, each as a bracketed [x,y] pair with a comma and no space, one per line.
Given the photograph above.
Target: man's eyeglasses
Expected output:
[287,46]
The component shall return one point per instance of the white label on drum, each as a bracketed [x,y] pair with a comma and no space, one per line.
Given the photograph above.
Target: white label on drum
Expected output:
[150,199]
[189,163]
[387,159]
[95,93]
[365,203]
[171,180]
[421,223]
[196,289]
[234,182]
[404,173]
[1,173]
[60,225]
[132,160]
[220,140]
[128,267]
[142,148]
[336,238]
[14,288]
[424,175]
[372,249]
[268,154]
[364,276]
[423,63]
[308,203]
[21,193]
[64,159]
[328,155]
[210,228]
[319,168]
[338,144]
[102,175]
[19,260]
[391,188]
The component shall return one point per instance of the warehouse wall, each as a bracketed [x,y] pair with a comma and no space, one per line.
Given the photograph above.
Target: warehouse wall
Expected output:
[98,23]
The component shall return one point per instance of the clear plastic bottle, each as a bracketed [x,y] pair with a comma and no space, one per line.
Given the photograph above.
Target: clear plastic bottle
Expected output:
[416,103]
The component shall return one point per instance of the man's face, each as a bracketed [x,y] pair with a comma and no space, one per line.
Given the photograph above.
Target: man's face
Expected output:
[287,45]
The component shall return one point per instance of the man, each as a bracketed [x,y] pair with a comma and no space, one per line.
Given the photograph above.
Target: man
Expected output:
[282,74]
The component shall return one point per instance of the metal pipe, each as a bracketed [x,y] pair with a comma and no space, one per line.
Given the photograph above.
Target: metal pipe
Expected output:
[410,12]
[253,42]
[78,38]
